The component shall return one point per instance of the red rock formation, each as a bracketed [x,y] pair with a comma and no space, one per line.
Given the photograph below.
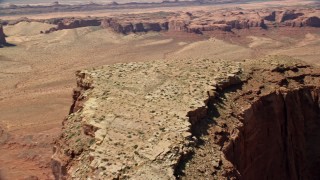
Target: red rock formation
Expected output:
[125,27]
[195,22]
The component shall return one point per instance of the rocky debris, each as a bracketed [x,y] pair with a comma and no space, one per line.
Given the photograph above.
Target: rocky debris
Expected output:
[2,37]
[196,118]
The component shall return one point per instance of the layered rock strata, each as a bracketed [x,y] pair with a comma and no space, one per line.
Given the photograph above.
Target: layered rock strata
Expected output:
[222,20]
[196,118]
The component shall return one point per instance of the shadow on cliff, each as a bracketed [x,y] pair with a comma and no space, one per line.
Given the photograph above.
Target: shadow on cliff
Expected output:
[202,119]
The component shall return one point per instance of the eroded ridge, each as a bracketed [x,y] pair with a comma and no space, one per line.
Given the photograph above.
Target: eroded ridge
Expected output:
[191,119]
[133,122]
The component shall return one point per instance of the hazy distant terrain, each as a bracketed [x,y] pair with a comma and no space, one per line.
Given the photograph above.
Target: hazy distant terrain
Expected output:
[46,2]
[18,2]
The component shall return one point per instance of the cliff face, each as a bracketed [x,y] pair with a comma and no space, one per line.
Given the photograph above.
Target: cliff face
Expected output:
[279,128]
[267,126]
[279,137]
[134,27]
[214,119]
[207,21]
[71,23]
[199,22]
[74,141]
[2,37]
[193,22]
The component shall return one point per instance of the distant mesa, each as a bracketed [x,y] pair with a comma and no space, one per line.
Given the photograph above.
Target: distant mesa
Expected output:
[12,6]
[199,22]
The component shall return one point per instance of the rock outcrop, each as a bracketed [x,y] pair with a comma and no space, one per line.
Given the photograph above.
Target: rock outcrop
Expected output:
[194,119]
[199,22]
[2,37]
[134,27]
[220,20]
[136,23]
[71,23]
[263,128]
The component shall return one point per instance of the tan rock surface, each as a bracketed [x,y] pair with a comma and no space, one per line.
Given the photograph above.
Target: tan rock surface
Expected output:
[143,120]
[137,116]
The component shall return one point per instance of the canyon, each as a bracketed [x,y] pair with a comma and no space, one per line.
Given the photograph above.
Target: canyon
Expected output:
[196,22]
[173,90]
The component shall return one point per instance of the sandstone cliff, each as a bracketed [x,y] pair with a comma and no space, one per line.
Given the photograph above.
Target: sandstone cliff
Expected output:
[193,119]
[192,22]
[125,27]
[219,20]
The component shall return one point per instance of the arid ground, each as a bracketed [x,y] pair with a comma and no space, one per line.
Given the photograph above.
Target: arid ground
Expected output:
[37,74]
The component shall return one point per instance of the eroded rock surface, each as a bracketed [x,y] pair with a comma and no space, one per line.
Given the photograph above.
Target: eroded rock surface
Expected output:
[191,119]
[135,118]
[265,128]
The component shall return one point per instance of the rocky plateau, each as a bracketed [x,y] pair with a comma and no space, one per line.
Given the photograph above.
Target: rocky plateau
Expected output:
[193,119]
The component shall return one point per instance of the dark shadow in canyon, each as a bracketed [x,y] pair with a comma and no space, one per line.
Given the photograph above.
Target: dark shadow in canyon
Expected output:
[279,138]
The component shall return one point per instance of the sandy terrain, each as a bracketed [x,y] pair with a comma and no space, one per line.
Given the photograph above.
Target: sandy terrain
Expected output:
[37,75]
